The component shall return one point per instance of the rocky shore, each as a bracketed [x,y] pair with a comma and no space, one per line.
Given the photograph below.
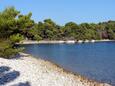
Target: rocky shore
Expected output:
[37,72]
[61,41]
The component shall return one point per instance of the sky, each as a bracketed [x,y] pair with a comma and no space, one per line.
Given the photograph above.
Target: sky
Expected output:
[63,11]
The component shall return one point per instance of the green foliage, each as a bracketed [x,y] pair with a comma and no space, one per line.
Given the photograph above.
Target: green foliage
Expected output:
[15,27]
[70,30]
[16,38]
[7,49]
[8,22]
[9,52]
[37,37]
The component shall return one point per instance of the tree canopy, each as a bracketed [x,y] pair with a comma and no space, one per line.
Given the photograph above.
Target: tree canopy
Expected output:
[15,27]
[12,22]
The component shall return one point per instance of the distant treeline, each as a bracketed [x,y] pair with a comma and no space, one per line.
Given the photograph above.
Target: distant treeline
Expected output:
[13,23]
[15,27]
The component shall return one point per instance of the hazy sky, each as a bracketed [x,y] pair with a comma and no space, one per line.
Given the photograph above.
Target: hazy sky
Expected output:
[63,11]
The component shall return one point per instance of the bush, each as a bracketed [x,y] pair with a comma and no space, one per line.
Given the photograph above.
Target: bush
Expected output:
[37,37]
[7,50]
[9,53]
[16,38]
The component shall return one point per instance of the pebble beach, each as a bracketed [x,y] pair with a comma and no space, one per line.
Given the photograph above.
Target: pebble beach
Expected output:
[38,72]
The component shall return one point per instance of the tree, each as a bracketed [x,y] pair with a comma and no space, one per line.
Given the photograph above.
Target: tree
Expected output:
[70,30]
[25,24]
[16,38]
[8,22]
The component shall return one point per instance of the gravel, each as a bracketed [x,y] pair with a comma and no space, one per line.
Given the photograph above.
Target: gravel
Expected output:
[38,72]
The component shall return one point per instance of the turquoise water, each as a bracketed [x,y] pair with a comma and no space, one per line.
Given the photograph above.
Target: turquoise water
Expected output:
[93,60]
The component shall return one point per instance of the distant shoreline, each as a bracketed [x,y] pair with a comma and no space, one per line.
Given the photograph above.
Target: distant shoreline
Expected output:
[61,41]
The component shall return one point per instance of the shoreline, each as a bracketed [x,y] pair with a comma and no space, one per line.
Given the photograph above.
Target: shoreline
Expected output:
[45,73]
[62,41]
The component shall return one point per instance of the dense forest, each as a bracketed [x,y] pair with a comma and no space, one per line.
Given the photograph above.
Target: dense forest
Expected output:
[15,27]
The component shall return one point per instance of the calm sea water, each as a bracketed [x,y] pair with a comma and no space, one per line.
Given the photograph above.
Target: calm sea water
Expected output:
[93,60]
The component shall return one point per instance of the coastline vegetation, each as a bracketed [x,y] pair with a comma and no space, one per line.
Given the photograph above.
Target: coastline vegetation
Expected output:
[15,27]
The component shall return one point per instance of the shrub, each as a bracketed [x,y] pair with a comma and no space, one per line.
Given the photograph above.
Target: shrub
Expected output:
[7,50]
[37,37]
[16,38]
